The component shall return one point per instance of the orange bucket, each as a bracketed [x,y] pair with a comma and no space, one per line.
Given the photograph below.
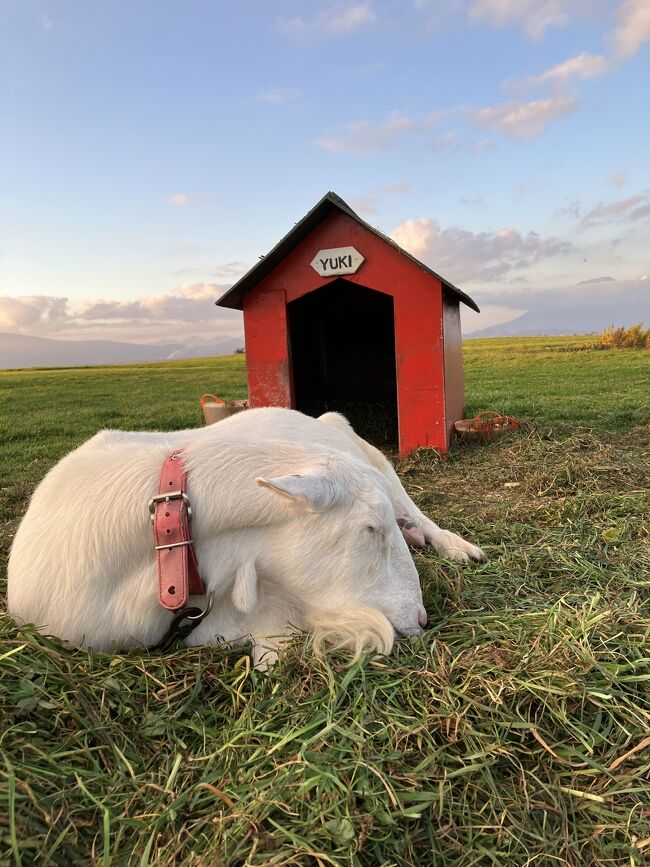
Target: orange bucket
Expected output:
[486,425]
[215,409]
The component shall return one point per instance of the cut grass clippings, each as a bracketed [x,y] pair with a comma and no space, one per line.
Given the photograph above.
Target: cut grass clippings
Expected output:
[514,732]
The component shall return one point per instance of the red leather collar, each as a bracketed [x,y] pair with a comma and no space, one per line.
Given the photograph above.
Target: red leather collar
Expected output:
[178,571]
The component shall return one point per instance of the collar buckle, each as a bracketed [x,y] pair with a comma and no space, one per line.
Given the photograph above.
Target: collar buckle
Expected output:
[165,498]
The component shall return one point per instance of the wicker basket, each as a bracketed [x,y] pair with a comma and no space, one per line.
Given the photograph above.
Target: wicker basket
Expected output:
[485,426]
[215,409]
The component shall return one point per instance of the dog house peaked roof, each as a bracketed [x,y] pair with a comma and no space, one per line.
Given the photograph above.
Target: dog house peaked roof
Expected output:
[330,203]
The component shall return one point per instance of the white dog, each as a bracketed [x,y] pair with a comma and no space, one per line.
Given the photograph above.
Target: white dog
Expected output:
[295,525]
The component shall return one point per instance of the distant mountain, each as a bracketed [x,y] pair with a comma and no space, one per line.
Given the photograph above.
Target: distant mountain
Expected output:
[520,328]
[550,323]
[588,307]
[21,350]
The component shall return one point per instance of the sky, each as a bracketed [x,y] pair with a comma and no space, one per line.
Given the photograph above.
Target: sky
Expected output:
[151,152]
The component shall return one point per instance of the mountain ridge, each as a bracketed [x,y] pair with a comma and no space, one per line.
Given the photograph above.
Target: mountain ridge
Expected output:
[22,350]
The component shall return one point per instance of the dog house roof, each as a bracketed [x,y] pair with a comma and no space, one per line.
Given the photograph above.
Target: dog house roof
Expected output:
[330,202]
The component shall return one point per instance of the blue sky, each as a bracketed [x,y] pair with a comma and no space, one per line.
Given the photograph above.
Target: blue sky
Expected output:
[151,152]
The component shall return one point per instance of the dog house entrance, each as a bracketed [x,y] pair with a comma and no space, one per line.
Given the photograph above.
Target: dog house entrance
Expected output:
[342,339]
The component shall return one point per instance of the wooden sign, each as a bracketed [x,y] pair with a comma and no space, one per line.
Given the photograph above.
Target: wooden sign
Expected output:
[337,261]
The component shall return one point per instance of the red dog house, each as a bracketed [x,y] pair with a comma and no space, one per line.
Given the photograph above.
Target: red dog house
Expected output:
[338,317]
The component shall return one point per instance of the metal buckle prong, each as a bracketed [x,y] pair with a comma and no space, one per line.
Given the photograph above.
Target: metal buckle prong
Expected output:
[174,545]
[171,495]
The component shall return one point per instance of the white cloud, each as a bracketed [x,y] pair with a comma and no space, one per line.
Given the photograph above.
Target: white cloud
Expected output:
[598,290]
[633,27]
[437,12]
[632,31]
[337,20]
[368,203]
[628,296]
[360,137]
[32,311]
[582,66]
[444,141]
[570,210]
[484,144]
[279,95]
[523,120]
[593,280]
[460,255]
[188,303]
[230,271]
[534,15]
[180,200]
[517,118]
[189,308]
[634,208]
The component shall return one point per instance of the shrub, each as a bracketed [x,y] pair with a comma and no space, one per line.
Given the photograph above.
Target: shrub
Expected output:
[634,337]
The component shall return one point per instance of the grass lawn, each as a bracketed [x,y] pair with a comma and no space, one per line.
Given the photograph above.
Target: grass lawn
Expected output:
[514,732]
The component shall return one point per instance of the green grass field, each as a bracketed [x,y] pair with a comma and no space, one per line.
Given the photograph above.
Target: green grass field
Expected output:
[514,732]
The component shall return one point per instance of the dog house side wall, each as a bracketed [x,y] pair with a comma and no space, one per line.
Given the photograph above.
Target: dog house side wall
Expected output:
[418,310]
[420,367]
[266,335]
[453,350]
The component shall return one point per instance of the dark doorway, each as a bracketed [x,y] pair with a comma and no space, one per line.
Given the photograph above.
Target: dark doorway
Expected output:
[342,339]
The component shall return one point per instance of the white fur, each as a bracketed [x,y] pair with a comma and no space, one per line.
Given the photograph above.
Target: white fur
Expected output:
[294,527]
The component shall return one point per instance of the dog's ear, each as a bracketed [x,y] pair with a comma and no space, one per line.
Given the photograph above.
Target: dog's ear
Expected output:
[317,491]
[244,591]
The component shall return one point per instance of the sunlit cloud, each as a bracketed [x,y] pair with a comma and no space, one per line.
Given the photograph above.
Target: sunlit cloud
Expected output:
[337,20]
[596,280]
[571,210]
[188,308]
[461,255]
[633,27]
[188,303]
[444,141]
[484,144]
[230,271]
[33,312]
[279,95]
[369,203]
[633,209]
[361,137]
[515,119]
[535,16]
[581,67]
[524,120]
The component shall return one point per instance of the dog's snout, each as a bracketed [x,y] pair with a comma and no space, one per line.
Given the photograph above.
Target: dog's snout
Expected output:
[423,618]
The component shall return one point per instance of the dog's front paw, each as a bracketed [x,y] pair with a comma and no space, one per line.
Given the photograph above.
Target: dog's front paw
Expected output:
[452,546]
